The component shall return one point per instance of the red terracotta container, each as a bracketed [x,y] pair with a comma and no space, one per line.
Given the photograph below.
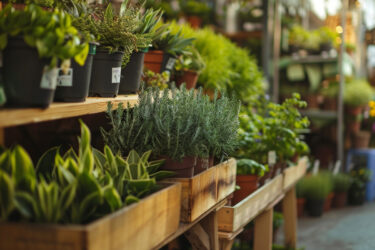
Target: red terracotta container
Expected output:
[340,199]
[330,103]
[190,78]
[183,168]
[194,21]
[248,184]
[361,139]
[328,202]
[153,60]
[353,110]
[300,206]
[354,126]
[202,164]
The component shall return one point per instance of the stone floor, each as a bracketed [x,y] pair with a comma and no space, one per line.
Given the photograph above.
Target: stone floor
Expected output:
[350,228]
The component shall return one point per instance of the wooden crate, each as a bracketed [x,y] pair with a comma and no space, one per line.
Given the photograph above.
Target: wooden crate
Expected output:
[231,219]
[206,189]
[294,173]
[140,226]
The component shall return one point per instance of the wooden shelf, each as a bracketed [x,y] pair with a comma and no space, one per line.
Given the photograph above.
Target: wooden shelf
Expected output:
[19,116]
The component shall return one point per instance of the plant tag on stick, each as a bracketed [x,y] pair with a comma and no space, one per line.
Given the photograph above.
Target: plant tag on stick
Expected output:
[49,78]
[170,63]
[65,78]
[316,167]
[271,158]
[116,75]
[337,168]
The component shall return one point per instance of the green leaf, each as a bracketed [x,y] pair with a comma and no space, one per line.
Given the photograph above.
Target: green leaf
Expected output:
[85,141]
[25,204]
[46,162]
[130,199]
[112,197]
[67,196]
[160,175]
[80,58]
[3,41]
[6,195]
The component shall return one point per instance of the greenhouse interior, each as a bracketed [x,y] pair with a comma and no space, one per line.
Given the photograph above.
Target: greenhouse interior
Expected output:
[187,124]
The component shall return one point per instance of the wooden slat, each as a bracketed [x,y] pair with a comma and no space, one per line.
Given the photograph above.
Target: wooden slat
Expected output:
[233,218]
[211,227]
[198,237]
[226,178]
[290,218]
[263,231]
[14,116]
[293,174]
[140,226]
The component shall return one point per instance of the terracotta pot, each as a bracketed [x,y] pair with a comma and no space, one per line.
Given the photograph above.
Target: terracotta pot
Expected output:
[300,206]
[354,126]
[211,160]
[340,199]
[201,165]
[190,78]
[248,184]
[312,101]
[153,60]
[183,168]
[330,103]
[361,139]
[328,202]
[211,93]
[265,177]
[195,21]
[353,110]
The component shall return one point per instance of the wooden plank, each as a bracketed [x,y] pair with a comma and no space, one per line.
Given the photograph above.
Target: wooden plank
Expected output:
[290,218]
[263,231]
[154,218]
[226,244]
[14,116]
[294,173]
[204,190]
[233,218]
[211,227]
[230,236]
[198,237]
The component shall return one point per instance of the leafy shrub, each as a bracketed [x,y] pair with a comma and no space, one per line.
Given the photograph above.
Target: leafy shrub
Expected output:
[316,187]
[358,93]
[250,167]
[341,182]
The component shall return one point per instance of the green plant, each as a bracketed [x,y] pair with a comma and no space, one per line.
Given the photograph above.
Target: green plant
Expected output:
[298,36]
[50,32]
[358,93]
[195,8]
[341,182]
[331,90]
[313,40]
[316,187]
[300,191]
[327,35]
[192,61]
[158,80]
[250,167]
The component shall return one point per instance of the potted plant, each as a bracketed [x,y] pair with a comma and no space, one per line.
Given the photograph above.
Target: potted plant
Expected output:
[187,69]
[165,48]
[248,173]
[329,94]
[341,185]
[316,190]
[312,42]
[132,71]
[196,12]
[296,39]
[32,80]
[156,80]
[357,94]
[357,191]
[328,201]
[327,38]
[301,200]
[115,34]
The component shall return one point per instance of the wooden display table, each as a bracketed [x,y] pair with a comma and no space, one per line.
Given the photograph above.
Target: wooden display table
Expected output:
[259,206]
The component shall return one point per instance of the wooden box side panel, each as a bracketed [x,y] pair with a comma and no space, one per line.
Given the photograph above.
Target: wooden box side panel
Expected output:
[226,179]
[225,219]
[142,226]
[251,206]
[20,236]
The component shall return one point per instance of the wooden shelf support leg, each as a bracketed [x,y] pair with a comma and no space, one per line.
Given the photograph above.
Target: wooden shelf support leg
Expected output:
[290,218]
[226,244]
[263,231]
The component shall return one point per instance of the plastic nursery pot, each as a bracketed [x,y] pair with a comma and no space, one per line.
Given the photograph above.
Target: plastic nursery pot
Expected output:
[73,83]
[293,49]
[361,139]
[248,184]
[131,74]
[190,78]
[106,74]
[300,206]
[339,199]
[195,21]
[315,207]
[330,103]
[28,80]
[201,165]
[328,202]
[183,168]
[153,60]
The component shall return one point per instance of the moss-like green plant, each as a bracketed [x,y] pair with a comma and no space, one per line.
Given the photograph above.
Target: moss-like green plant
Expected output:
[316,187]
[358,93]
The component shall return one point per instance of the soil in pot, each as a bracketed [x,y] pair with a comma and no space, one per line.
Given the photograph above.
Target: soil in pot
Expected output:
[188,77]
[315,207]
[183,168]
[153,60]
[73,82]
[361,139]
[300,206]
[201,165]
[106,74]
[328,202]
[28,80]
[131,74]
[248,184]
[339,199]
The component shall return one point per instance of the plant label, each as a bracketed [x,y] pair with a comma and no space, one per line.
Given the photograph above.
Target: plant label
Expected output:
[65,78]
[337,168]
[170,64]
[315,170]
[49,78]
[271,158]
[116,75]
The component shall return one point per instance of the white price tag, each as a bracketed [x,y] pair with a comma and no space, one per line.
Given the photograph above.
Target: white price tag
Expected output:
[49,78]
[316,167]
[271,158]
[116,75]
[337,168]
[170,63]
[65,78]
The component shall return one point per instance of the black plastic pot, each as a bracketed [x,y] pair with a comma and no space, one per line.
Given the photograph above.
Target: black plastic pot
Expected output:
[106,74]
[28,81]
[356,196]
[73,86]
[131,74]
[315,207]
[168,63]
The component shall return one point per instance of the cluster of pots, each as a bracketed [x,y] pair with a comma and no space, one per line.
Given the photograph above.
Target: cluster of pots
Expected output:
[30,82]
